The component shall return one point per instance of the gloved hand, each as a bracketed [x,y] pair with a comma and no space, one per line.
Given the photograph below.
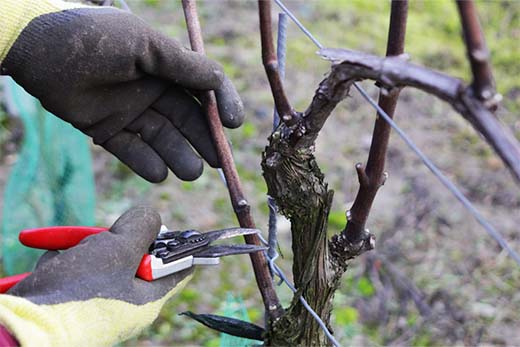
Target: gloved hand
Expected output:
[130,88]
[88,295]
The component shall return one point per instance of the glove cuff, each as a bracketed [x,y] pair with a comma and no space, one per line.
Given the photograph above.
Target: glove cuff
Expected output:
[30,323]
[15,15]
[94,322]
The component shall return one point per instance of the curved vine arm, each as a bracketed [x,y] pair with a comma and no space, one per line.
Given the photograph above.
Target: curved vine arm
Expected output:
[395,72]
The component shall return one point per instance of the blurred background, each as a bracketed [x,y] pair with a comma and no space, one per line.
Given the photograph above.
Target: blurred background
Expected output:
[435,277]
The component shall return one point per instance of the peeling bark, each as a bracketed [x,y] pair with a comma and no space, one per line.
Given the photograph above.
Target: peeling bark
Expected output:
[295,181]
[302,195]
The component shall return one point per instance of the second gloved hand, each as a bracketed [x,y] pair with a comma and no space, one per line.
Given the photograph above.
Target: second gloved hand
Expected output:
[130,88]
[88,295]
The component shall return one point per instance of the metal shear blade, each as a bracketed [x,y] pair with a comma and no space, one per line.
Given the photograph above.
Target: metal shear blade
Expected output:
[224,250]
[173,245]
[229,233]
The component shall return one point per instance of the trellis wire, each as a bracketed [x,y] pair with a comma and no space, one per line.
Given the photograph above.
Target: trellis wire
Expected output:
[124,5]
[281,48]
[427,162]
[299,24]
[444,180]
[278,271]
[280,54]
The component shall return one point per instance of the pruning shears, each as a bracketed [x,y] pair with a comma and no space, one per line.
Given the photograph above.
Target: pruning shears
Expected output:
[171,252]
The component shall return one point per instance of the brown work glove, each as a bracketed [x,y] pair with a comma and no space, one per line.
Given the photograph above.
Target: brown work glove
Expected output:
[130,88]
[88,295]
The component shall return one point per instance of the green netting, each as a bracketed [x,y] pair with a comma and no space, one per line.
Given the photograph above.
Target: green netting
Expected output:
[235,308]
[51,183]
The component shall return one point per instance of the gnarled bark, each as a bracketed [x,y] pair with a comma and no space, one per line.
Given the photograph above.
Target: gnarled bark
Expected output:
[295,181]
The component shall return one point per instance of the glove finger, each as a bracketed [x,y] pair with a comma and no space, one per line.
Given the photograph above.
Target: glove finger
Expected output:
[185,113]
[45,258]
[139,156]
[167,59]
[169,143]
[138,228]
[230,106]
[115,105]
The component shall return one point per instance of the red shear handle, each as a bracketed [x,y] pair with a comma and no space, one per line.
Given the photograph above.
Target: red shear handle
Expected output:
[58,237]
[144,271]
[7,282]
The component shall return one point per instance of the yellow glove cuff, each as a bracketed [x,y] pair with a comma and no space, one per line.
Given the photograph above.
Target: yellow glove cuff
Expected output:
[16,14]
[94,322]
